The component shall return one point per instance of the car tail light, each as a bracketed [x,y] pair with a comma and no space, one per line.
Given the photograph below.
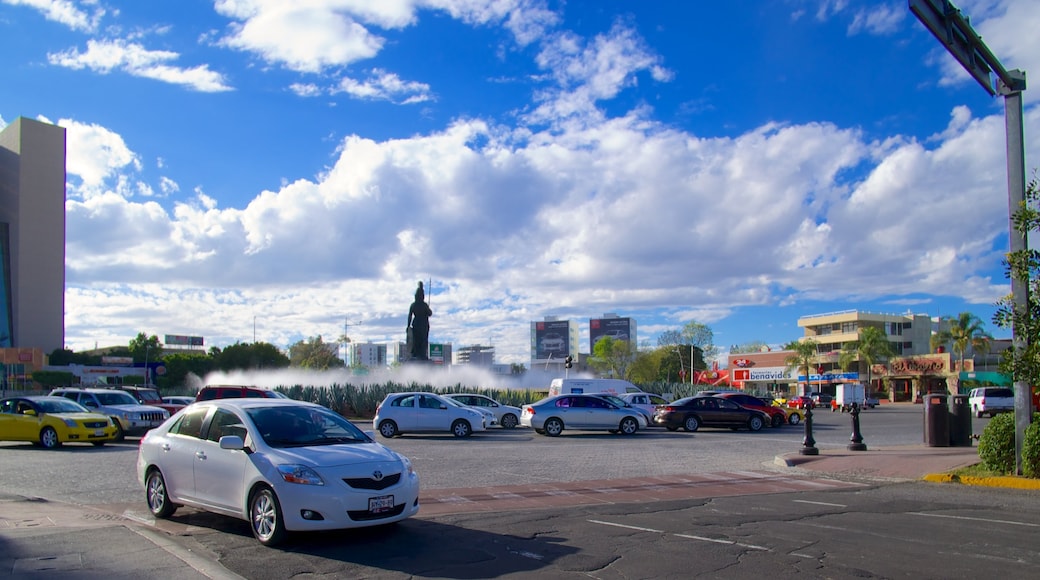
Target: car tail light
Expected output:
[529,410]
[666,408]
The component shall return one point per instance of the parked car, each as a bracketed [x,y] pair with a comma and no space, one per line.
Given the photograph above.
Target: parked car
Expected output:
[991,400]
[777,416]
[801,402]
[130,417]
[794,414]
[210,392]
[619,402]
[490,420]
[506,416]
[281,465]
[821,399]
[51,421]
[692,413]
[150,396]
[401,413]
[645,402]
[552,415]
[179,400]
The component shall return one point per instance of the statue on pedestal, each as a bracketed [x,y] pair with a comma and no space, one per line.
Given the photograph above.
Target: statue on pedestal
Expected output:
[418,327]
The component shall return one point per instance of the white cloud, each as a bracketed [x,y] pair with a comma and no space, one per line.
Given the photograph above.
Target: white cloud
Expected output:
[551,222]
[880,19]
[104,56]
[382,85]
[95,154]
[65,12]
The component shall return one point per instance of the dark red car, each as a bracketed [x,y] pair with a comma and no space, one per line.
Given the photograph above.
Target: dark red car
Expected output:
[777,416]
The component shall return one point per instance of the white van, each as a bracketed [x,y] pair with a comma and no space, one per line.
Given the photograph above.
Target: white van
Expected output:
[591,387]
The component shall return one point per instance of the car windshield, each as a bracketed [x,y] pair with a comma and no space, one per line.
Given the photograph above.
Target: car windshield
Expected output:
[116,398]
[61,406]
[618,401]
[304,426]
[149,397]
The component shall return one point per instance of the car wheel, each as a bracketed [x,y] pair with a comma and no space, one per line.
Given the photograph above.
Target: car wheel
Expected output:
[120,436]
[461,428]
[755,423]
[509,421]
[388,429]
[691,423]
[49,438]
[265,517]
[629,426]
[155,495]
[776,421]
[553,427]
[794,419]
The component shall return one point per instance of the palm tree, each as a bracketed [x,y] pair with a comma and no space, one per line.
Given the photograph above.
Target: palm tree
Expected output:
[872,347]
[804,356]
[961,332]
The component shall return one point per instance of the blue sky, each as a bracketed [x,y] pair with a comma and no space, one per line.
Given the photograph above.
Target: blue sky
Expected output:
[252,164]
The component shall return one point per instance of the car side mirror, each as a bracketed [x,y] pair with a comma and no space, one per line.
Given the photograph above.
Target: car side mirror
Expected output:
[233,442]
[444,407]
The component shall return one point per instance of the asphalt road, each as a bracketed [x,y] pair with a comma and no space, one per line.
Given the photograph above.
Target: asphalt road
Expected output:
[872,529]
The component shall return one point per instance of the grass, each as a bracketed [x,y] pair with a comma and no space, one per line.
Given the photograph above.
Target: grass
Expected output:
[977,470]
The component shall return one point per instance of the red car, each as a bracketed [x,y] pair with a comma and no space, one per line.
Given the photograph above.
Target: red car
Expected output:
[801,402]
[777,416]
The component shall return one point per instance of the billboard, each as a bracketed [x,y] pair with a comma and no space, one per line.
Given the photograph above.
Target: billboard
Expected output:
[181,340]
[616,328]
[552,338]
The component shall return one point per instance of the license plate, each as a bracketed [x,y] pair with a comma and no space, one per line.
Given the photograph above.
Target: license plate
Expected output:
[99,432]
[380,504]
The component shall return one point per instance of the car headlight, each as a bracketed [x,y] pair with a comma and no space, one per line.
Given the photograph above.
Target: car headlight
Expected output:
[300,474]
[407,465]
[69,422]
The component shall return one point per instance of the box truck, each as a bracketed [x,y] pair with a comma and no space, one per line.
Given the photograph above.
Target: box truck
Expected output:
[848,394]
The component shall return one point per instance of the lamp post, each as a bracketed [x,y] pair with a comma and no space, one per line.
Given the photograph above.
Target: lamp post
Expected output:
[146,349]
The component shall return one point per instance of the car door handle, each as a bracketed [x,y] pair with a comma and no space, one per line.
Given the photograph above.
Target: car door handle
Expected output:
[165,447]
[200,455]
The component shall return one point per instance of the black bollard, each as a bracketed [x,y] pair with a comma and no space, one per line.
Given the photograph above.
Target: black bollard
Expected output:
[808,444]
[857,439]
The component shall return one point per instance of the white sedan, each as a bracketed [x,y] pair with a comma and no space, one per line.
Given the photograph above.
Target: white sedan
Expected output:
[552,415]
[645,402]
[279,464]
[422,412]
[506,416]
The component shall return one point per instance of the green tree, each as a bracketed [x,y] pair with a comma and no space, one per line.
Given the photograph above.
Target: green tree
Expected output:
[316,354]
[1022,362]
[803,356]
[611,356]
[961,333]
[61,357]
[179,366]
[143,346]
[653,365]
[872,348]
[253,355]
[753,346]
[693,334]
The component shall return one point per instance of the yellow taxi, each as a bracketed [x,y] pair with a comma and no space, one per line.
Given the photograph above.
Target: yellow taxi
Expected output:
[51,421]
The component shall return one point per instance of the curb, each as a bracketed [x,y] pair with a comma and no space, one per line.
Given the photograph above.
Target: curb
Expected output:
[1005,481]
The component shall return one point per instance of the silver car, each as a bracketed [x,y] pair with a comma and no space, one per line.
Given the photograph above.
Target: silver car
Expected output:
[552,415]
[506,416]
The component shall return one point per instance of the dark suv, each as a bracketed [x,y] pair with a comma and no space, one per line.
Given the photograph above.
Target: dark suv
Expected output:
[211,392]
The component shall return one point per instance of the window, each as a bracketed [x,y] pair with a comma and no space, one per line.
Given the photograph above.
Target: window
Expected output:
[225,423]
[848,327]
[408,401]
[190,424]
[428,402]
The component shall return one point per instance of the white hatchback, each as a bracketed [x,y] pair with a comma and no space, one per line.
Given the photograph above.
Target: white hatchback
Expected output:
[279,464]
[422,412]
[506,416]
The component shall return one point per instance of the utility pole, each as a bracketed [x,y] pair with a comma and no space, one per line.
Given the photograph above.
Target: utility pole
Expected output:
[955,33]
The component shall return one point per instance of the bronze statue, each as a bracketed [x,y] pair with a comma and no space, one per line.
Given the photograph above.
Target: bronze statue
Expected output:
[419,325]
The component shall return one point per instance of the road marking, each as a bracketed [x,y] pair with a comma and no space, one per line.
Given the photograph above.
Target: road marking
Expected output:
[729,542]
[819,503]
[687,536]
[975,519]
[627,526]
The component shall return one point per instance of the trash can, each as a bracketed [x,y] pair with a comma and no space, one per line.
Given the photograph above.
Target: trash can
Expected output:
[936,421]
[960,421]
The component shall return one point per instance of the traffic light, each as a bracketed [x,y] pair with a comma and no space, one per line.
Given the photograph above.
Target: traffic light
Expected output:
[568,362]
